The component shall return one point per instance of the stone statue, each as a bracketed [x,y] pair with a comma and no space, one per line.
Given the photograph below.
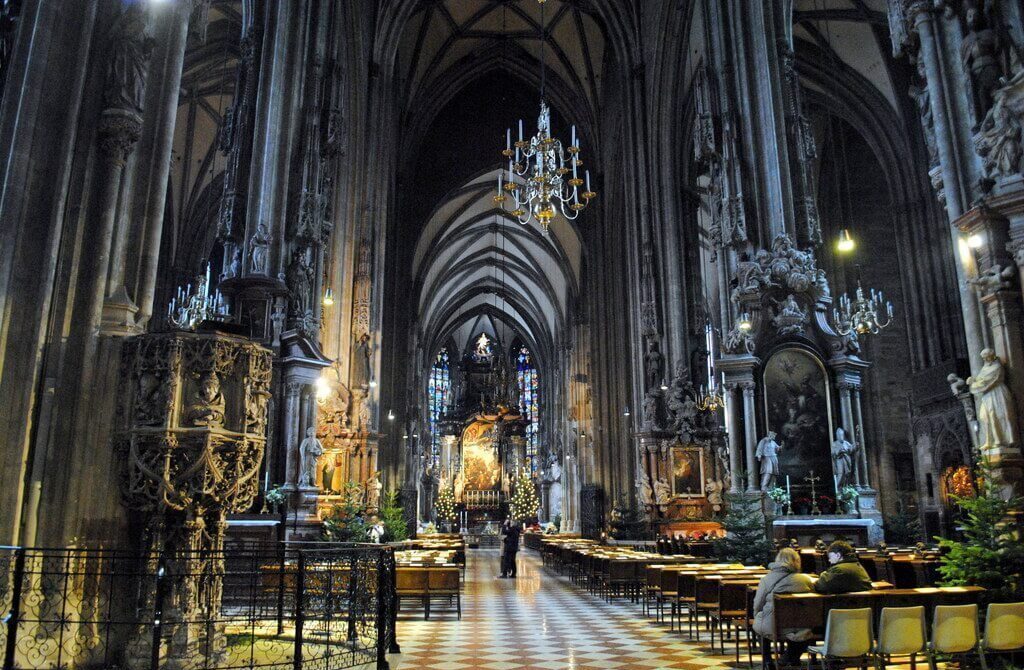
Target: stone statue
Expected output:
[995,410]
[995,278]
[842,458]
[300,282]
[643,488]
[207,407]
[361,374]
[652,364]
[650,411]
[790,318]
[373,489]
[310,451]
[714,493]
[662,493]
[259,248]
[128,61]
[768,453]
[998,141]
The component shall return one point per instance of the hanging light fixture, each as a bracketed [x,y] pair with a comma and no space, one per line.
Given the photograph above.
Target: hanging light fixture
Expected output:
[710,398]
[544,164]
[744,323]
[863,315]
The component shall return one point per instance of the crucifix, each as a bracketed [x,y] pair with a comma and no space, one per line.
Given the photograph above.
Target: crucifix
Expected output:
[811,478]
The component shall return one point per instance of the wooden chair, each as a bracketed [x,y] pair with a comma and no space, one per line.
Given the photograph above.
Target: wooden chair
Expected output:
[444,583]
[732,611]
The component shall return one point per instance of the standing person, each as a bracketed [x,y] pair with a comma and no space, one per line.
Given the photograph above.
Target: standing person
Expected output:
[502,535]
[376,530]
[783,576]
[511,547]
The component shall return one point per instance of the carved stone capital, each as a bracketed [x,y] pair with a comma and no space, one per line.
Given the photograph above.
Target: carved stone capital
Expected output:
[117,134]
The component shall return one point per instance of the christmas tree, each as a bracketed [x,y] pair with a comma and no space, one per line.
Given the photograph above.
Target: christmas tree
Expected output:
[628,523]
[393,518]
[444,506]
[746,541]
[524,503]
[992,555]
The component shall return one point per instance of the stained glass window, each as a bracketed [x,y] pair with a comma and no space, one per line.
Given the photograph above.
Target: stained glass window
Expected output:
[529,402]
[437,397]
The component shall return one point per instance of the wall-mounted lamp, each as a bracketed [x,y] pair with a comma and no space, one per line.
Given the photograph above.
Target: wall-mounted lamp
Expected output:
[391,415]
[744,322]
[845,243]
[323,389]
[328,297]
[975,240]
[373,383]
[626,412]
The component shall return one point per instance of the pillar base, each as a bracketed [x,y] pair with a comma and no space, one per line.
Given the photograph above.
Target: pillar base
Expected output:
[119,314]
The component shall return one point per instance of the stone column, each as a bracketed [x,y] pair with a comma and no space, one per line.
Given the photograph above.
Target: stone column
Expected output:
[750,434]
[849,427]
[858,417]
[119,130]
[289,434]
[735,448]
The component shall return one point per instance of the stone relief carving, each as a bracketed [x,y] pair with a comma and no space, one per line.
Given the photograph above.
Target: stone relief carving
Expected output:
[784,267]
[207,408]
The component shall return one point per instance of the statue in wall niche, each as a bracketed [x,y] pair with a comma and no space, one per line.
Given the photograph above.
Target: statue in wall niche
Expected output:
[300,282]
[150,400]
[979,52]
[995,410]
[662,493]
[361,372]
[652,364]
[998,141]
[644,492]
[259,250]
[842,458]
[234,265]
[128,61]
[768,454]
[922,97]
[310,451]
[207,408]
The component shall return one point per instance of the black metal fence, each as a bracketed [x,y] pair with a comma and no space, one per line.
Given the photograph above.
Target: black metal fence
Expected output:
[320,606]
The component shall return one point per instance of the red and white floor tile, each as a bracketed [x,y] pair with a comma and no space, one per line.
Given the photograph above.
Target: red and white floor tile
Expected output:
[540,620]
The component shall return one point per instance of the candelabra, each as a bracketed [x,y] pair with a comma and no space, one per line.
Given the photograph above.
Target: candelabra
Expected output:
[189,308]
[862,315]
[710,398]
[543,163]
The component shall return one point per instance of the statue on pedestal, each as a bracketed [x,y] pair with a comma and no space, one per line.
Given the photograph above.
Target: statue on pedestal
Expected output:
[643,488]
[662,493]
[768,454]
[373,490]
[310,451]
[995,409]
[842,458]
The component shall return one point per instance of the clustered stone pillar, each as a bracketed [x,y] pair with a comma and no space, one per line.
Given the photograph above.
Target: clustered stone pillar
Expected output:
[750,434]
[735,444]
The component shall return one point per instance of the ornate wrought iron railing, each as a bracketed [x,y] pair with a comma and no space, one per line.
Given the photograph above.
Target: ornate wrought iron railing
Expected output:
[309,605]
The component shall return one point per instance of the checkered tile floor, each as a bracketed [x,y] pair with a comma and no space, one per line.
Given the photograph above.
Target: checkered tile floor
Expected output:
[541,620]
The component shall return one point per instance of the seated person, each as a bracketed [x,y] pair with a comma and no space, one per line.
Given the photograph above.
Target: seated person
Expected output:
[846,575]
[783,576]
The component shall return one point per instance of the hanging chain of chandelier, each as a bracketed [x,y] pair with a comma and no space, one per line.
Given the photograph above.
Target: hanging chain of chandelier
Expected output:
[544,165]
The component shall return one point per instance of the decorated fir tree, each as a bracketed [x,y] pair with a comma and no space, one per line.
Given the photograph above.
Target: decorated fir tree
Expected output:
[746,540]
[628,523]
[444,506]
[992,552]
[524,503]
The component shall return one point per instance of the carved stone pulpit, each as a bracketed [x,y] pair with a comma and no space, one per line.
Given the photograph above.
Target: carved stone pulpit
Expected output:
[190,437]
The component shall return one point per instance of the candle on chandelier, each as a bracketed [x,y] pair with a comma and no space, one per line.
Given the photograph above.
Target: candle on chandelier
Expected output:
[520,130]
[499,182]
[573,136]
[508,138]
[588,181]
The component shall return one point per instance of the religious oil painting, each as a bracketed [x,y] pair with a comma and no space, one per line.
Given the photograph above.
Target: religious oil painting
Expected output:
[687,471]
[480,457]
[797,408]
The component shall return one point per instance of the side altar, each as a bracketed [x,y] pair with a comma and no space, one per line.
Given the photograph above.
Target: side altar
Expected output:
[777,413]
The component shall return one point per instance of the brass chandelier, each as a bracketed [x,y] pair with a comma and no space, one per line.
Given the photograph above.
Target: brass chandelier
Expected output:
[862,315]
[544,164]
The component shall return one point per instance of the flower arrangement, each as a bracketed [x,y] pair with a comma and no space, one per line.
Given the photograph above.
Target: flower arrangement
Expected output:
[275,496]
[848,497]
[779,495]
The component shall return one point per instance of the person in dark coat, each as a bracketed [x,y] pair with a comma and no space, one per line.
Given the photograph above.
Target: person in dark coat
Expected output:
[846,575]
[510,546]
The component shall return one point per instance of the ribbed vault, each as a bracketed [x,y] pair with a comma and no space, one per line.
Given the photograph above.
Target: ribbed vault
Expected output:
[471,259]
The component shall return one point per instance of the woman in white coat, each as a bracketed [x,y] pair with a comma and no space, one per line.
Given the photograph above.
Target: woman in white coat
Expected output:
[783,576]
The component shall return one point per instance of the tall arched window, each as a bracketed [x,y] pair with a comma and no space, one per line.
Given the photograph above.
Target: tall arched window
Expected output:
[529,402]
[437,394]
